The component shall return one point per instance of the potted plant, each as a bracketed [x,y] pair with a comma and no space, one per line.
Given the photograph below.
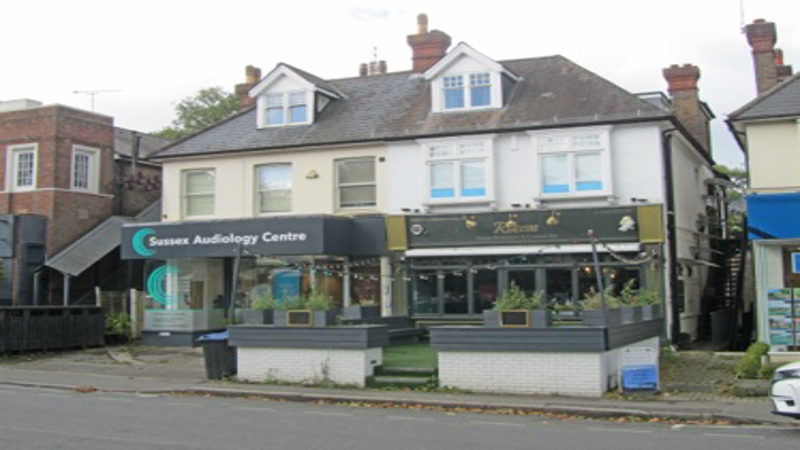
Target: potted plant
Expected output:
[593,314]
[117,328]
[365,309]
[515,309]
[261,310]
[631,309]
[650,301]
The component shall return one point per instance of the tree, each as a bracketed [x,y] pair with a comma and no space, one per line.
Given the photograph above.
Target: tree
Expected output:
[200,111]
[735,195]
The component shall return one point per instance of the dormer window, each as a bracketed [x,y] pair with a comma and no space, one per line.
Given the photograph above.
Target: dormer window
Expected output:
[478,95]
[466,80]
[287,108]
[289,96]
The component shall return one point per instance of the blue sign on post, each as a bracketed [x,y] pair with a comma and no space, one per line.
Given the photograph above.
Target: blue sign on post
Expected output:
[639,369]
[640,378]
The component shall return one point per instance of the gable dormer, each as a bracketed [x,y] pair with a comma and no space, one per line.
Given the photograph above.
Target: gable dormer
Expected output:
[289,96]
[466,80]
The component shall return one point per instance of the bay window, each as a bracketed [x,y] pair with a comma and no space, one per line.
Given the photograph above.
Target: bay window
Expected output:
[459,171]
[576,164]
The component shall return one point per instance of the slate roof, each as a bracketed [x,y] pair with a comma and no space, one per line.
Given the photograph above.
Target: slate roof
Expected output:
[783,100]
[553,91]
[148,144]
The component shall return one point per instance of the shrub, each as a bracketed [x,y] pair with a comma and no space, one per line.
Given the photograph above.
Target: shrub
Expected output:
[318,301]
[290,303]
[515,298]
[118,324]
[767,371]
[265,301]
[592,299]
[758,349]
[747,367]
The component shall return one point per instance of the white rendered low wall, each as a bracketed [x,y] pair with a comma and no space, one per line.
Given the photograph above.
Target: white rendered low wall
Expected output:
[301,365]
[573,374]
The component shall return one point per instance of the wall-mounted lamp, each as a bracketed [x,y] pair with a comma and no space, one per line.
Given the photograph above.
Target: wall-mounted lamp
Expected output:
[553,219]
[638,200]
[312,175]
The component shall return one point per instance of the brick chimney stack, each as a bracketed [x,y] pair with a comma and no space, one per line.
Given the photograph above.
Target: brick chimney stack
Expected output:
[686,104]
[427,47]
[767,59]
[252,77]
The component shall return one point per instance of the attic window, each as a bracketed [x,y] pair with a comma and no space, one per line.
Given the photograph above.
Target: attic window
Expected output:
[287,108]
[478,94]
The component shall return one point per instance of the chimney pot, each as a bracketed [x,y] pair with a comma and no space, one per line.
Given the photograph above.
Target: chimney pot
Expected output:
[382,68]
[422,24]
[362,70]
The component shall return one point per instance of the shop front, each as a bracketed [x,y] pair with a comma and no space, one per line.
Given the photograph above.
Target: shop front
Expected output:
[197,273]
[774,229]
[457,264]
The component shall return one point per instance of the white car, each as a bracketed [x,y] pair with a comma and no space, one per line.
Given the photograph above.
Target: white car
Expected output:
[785,390]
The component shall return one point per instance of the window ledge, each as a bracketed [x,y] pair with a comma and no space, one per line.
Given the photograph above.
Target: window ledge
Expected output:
[575,197]
[484,201]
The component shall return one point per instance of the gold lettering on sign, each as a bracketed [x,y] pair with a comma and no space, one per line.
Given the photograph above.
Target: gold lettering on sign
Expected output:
[511,227]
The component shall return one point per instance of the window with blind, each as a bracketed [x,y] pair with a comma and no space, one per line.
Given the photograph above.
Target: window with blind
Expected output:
[459,171]
[576,164]
[198,192]
[274,188]
[356,186]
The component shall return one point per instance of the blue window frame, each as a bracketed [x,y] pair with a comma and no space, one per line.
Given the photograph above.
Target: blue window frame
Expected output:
[453,92]
[480,89]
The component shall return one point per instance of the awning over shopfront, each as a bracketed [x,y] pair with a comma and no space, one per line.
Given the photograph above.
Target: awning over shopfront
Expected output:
[272,236]
[773,216]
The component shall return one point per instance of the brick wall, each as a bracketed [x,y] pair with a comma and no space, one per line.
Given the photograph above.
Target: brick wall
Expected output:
[311,366]
[577,374]
[56,129]
[136,191]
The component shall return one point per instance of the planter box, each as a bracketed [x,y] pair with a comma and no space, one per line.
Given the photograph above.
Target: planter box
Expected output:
[598,318]
[305,318]
[256,316]
[353,312]
[631,314]
[652,312]
[517,318]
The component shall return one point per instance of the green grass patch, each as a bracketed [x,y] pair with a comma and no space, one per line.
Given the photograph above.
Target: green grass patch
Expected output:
[414,355]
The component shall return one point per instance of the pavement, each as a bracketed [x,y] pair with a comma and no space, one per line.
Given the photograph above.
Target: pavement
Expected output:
[176,371]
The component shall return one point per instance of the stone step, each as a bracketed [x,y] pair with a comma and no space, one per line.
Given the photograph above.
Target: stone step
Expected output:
[411,382]
[406,371]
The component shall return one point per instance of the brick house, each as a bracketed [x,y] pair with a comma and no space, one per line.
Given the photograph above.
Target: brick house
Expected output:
[66,171]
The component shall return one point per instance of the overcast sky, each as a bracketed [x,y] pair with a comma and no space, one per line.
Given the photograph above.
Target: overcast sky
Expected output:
[159,52]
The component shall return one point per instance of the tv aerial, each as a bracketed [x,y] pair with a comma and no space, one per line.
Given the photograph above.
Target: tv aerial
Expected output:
[92,93]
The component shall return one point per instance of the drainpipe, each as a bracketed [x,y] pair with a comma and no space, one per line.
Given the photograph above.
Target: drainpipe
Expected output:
[672,246]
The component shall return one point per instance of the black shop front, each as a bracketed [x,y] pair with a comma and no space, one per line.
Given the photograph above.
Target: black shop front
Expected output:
[457,264]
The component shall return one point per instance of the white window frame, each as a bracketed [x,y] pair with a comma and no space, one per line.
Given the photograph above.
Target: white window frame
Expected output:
[456,157]
[545,143]
[495,91]
[12,172]
[340,185]
[286,106]
[258,190]
[93,171]
[185,195]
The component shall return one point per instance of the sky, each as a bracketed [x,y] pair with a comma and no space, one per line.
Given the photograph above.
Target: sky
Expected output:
[148,55]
